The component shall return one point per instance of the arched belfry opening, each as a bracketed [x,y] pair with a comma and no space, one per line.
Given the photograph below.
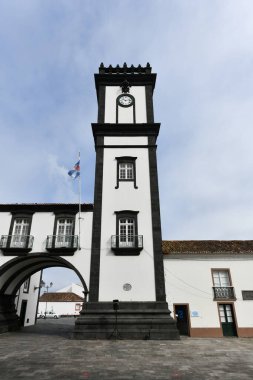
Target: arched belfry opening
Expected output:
[12,275]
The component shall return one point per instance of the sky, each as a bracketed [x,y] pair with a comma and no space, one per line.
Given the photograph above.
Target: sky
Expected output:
[202,53]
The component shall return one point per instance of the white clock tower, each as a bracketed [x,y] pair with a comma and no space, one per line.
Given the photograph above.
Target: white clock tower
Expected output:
[126,256]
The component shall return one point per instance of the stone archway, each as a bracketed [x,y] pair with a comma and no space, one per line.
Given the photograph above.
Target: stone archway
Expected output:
[14,273]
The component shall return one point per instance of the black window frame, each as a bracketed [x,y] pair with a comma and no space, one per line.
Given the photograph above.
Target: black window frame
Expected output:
[8,250]
[126,160]
[64,216]
[121,250]
[54,250]
[21,216]
[124,214]
[26,289]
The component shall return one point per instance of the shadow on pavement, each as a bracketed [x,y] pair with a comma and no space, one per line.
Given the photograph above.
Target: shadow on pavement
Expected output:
[60,327]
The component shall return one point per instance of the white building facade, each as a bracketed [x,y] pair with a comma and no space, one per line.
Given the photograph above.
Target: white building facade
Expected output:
[119,255]
[35,237]
[209,287]
[26,301]
[67,301]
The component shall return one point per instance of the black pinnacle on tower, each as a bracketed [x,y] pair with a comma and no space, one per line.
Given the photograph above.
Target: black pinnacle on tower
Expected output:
[126,267]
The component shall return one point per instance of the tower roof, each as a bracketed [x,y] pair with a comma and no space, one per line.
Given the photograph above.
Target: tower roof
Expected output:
[125,69]
[115,76]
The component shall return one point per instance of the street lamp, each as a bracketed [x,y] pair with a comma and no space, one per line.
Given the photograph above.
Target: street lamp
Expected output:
[43,285]
[48,286]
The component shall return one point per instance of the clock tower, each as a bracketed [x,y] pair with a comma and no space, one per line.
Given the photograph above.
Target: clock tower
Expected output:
[127,284]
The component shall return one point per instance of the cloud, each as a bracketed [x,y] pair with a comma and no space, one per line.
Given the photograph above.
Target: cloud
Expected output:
[202,52]
[62,183]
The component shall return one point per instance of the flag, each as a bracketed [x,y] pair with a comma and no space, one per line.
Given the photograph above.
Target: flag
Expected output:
[75,172]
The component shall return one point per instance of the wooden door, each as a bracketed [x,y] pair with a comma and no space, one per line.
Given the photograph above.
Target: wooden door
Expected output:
[182,315]
[23,312]
[227,319]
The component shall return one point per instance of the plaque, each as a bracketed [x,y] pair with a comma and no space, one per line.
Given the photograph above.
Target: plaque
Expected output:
[247,295]
[127,287]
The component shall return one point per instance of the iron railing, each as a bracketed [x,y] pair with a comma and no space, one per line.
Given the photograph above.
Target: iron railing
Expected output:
[62,242]
[223,292]
[127,241]
[16,242]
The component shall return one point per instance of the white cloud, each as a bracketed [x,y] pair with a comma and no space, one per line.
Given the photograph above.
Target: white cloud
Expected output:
[63,184]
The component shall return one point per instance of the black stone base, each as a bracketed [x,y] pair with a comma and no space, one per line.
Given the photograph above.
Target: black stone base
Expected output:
[9,321]
[135,320]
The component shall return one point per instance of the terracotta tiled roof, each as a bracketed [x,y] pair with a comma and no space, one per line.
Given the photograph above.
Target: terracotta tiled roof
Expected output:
[207,246]
[60,297]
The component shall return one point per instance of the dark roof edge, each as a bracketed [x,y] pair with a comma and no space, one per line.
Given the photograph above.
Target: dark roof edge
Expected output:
[45,207]
[125,69]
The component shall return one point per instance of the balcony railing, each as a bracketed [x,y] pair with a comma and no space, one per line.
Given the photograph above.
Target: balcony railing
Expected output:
[127,244]
[62,242]
[223,292]
[16,243]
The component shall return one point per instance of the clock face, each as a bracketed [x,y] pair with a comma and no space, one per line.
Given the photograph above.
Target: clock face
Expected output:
[125,100]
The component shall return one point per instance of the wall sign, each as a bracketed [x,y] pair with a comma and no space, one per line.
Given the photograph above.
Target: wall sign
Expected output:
[195,314]
[247,295]
[127,287]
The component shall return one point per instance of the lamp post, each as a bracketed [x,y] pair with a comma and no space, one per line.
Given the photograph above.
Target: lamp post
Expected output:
[47,287]
[85,292]
[43,285]
[115,332]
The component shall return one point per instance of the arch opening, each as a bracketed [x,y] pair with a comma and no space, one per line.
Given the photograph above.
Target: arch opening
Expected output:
[14,273]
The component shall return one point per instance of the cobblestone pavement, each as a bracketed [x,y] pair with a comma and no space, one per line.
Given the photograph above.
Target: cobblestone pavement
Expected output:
[46,352]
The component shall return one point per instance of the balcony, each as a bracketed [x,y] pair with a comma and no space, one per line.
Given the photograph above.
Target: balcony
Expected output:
[17,245]
[62,245]
[223,293]
[124,245]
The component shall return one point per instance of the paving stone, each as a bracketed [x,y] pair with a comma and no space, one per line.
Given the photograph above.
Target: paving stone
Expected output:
[46,352]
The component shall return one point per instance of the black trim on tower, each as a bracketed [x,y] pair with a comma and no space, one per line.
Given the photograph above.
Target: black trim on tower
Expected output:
[156,223]
[138,129]
[96,227]
[101,105]
[127,146]
[149,104]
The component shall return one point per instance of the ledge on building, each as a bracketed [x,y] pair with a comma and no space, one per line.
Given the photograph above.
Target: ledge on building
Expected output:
[17,245]
[126,246]
[62,245]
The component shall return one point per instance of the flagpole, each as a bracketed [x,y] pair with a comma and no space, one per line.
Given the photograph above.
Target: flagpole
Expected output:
[79,224]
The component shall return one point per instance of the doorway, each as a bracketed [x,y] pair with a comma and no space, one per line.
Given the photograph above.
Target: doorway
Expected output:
[23,312]
[227,319]
[182,315]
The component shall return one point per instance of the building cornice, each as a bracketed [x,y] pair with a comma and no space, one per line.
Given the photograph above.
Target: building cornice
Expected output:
[45,207]
[126,130]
